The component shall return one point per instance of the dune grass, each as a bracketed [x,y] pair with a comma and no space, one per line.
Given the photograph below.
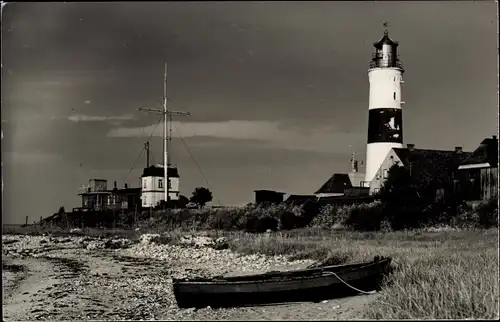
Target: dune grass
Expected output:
[440,275]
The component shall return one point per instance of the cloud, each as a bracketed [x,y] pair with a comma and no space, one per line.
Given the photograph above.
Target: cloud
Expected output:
[93,118]
[268,133]
[33,157]
[233,129]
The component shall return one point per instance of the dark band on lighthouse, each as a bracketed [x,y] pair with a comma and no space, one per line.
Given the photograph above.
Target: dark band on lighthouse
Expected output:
[385,125]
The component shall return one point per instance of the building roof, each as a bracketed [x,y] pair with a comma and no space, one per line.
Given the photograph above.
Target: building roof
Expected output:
[112,191]
[356,191]
[336,184]
[157,171]
[300,199]
[127,190]
[339,199]
[101,192]
[431,162]
[270,191]
[429,156]
[385,41]
[356,178]
[486,152]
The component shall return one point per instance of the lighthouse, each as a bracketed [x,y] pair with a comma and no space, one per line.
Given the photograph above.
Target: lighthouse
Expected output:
[385,120]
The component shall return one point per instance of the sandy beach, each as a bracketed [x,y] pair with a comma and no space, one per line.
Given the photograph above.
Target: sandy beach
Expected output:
[63,278]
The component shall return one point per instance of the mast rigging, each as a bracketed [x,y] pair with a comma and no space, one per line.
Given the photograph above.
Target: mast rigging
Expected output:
[167,119]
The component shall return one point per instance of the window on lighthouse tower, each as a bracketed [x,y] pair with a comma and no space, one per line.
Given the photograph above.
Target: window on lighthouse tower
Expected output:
[394,95]
[160,183]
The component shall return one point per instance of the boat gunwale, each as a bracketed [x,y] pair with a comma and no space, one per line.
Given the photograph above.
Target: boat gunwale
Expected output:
[282,278]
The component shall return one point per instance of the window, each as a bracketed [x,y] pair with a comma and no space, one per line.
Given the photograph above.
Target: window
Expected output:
[386,173]
[144,185]
[169,184]
[160,183]
[394,95]
[376,190]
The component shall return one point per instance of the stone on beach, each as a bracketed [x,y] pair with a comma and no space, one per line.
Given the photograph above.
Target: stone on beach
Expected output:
[150,238]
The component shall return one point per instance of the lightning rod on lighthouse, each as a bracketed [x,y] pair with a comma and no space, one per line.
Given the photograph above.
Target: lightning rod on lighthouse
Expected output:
[385,120]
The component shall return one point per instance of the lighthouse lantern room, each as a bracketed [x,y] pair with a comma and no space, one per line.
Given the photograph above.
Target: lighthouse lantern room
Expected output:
[385,123]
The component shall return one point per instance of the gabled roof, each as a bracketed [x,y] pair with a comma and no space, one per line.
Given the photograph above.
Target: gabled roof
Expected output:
[487,152]
[429,156]
[356,178]
[157,171]
[431,162]
[336,184]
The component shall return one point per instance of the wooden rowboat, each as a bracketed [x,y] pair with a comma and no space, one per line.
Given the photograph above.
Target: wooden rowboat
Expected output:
[310,284]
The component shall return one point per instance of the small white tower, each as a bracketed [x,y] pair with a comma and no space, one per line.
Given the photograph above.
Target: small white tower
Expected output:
[385,121]
[153,185]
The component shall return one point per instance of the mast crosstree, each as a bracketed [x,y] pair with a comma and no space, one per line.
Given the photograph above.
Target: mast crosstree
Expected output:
[167,119]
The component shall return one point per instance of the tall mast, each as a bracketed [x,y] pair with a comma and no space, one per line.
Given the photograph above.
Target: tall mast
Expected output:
[146,145]
[165,134]
[167,118]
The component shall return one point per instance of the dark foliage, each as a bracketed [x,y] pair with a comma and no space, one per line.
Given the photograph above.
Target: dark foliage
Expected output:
[418,198]
[290,220]
[259,225]
[488,213]
[182,202]
[201,196]
[365,218]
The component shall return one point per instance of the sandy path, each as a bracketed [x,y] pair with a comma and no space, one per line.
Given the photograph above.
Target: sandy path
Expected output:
[22,299]
[111,285]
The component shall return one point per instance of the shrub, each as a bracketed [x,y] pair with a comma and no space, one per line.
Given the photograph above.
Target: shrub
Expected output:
[326,218]
[487,213]
[289,220]
[260,225]
[365,217]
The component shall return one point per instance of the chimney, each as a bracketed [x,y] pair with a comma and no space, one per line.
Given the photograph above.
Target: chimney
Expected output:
[115,187]
[410,147]
[126,186]
[494,137]
[458,149]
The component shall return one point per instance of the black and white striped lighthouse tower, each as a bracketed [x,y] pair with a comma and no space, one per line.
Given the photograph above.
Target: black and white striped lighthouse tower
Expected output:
[385,121]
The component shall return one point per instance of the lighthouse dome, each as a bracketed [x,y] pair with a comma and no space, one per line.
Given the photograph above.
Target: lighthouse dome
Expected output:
[386,53]
[385,41]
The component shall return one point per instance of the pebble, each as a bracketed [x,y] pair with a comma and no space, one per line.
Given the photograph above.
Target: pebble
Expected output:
[146,288]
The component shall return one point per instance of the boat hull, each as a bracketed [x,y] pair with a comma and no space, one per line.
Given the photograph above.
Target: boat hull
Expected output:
[278,287]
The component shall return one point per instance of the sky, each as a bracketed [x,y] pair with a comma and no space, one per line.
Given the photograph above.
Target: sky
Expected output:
[277,91]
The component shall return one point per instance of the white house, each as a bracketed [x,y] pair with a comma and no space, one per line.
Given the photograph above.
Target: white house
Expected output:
[153,185]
